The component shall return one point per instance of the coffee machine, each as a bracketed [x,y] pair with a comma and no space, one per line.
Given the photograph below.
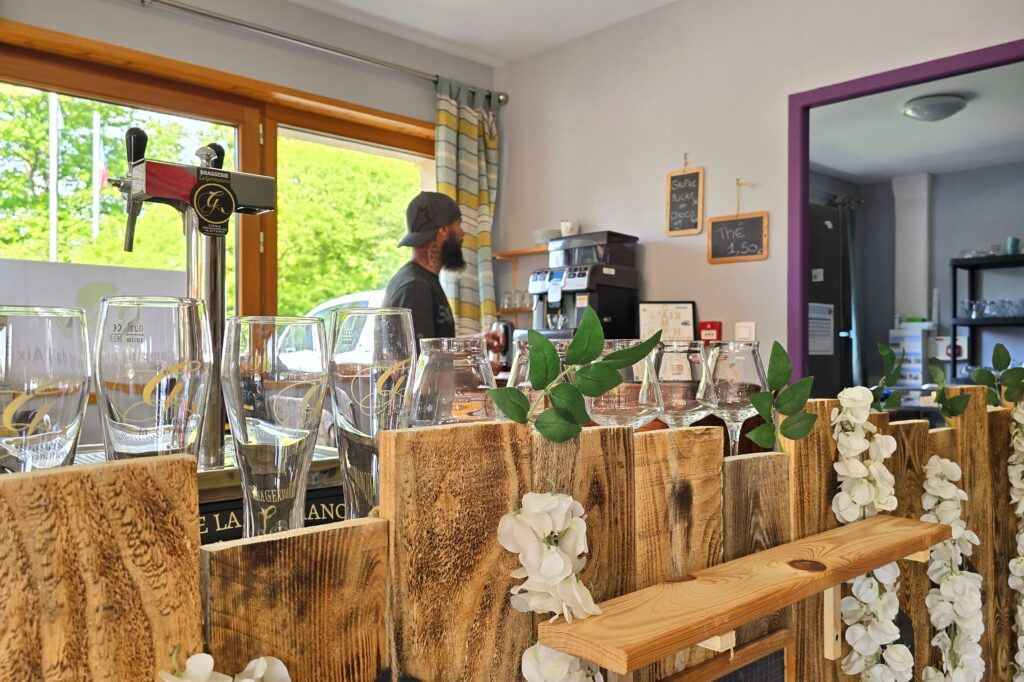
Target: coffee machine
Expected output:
[595,269]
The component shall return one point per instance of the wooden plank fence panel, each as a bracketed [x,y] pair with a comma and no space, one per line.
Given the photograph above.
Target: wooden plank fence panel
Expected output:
[1004,544]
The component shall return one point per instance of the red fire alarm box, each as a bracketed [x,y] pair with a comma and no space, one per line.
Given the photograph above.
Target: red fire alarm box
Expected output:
[710,331]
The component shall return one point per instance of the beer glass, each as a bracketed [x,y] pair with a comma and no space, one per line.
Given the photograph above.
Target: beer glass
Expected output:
[636,401]
[372,359]
[685,388]
[452,378]
[274,377]
[736,373]
[44,386]
[153,365]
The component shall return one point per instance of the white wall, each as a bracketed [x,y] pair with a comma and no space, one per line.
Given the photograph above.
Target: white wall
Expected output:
[169,33]
[593,126]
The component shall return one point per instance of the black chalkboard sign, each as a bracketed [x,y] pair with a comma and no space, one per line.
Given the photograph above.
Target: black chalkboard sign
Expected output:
[740,237]
[684,203]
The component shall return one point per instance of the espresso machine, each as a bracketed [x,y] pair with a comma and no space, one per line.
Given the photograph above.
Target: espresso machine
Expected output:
[595,269]
[206,196]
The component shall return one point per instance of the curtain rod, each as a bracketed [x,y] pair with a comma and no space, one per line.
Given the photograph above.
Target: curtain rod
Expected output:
[302,42]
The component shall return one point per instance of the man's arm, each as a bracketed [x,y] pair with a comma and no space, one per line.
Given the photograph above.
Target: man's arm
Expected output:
[418,299]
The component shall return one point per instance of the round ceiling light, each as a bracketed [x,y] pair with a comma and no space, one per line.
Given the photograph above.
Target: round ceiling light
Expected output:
[934,107]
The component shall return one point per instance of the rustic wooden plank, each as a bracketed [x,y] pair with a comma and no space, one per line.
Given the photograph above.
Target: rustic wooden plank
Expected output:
[907,467]
[323,588]
[812,484]
[640,628]
[678,487]
[755,517]
[1004,545]
[99,570]
[719,666]
[941,441]
[975,456]
[443,490]
[596,469]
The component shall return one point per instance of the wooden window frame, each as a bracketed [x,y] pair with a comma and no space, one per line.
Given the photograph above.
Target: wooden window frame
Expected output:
[49,60]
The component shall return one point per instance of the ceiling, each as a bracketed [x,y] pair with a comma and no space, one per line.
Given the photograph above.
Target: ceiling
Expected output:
[488,31]
[868,140]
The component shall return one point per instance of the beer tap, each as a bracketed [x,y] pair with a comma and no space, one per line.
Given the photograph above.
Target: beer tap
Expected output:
[206,196]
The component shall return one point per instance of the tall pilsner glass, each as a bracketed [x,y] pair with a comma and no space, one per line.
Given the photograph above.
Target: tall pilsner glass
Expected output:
[274,377]
[736,373]
[372,358]
[153,364]
[44,385]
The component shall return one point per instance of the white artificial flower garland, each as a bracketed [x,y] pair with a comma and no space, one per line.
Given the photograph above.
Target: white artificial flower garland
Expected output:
[550,536]
[1016,473]
[867,487]
[954,607]
[199,668]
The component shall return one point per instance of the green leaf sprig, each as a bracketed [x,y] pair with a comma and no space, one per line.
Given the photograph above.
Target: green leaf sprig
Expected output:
[1005,382]
[949,406]
[591,376]
[782,398]
[890,377]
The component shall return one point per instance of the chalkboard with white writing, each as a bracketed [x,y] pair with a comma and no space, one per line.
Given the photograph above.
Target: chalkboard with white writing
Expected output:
[684,203]
[739,237]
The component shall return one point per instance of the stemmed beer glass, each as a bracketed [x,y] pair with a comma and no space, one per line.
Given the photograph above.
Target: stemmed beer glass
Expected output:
[685,387]
[736,374]
[274,376]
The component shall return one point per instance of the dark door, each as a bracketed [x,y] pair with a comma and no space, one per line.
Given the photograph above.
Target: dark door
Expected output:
[829,343]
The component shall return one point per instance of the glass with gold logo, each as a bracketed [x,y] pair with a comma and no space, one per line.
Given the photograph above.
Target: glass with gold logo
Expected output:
[153,364]
[44,386]
[372,357]
[274,377]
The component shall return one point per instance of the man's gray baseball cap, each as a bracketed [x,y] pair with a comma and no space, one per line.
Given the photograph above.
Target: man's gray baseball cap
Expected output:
[426,214]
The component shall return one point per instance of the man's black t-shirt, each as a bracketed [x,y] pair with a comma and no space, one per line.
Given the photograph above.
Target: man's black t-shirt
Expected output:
[418,289]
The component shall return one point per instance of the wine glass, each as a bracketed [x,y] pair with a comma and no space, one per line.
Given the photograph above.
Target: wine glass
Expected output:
[736,374]
[636,401]
[372,358]
[452,378]
[44,386]
[682,372]
[274,376]
[153,366]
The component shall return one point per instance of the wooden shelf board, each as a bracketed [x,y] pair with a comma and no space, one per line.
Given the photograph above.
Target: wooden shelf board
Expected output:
[515,253]
[509,311]
[643,627]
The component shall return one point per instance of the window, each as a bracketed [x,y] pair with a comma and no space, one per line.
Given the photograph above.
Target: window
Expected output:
[56,153]
[341,214]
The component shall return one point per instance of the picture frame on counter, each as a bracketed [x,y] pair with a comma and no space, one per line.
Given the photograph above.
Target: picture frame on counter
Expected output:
[676,319]
[738,237]
[684,201]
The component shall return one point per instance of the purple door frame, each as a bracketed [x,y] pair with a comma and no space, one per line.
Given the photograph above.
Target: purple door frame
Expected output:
[800,105]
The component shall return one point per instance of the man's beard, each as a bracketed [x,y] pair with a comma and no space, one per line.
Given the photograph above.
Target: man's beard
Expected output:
[451,254]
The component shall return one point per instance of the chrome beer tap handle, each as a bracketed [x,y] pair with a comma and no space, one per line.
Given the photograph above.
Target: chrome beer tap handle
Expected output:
[135,143]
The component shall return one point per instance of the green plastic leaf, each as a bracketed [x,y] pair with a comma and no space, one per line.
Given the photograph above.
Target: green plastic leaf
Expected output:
[627,357]
[956,405]
[937,373]
[892,378]
[1014,393]
[991,397]
[888,359]
[588,342]
[568,400]
[555,426]
[763,435]
[512,403]
[1000,357]
[762,402]
[793,398]
[983,377]
[798,426]
[1014,375]
[780,368]
[543,360]
[894,400]
[597,379]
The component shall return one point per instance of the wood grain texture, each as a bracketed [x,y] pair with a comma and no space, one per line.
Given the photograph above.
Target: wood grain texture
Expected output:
[313,597]
[643,627]
[755,517]
[596,469]
[812,485]
[1004,545]
[99,570]
[979,465]
[941,441]
[443,490]
[743,656]
[678,485]
[907,467]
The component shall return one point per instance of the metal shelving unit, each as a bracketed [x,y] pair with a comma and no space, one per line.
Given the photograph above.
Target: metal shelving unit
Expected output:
[973,266]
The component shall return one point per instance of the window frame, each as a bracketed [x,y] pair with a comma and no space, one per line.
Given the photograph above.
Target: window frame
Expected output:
[49,60]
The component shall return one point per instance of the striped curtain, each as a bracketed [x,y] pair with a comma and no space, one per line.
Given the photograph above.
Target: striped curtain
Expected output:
[466,154]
